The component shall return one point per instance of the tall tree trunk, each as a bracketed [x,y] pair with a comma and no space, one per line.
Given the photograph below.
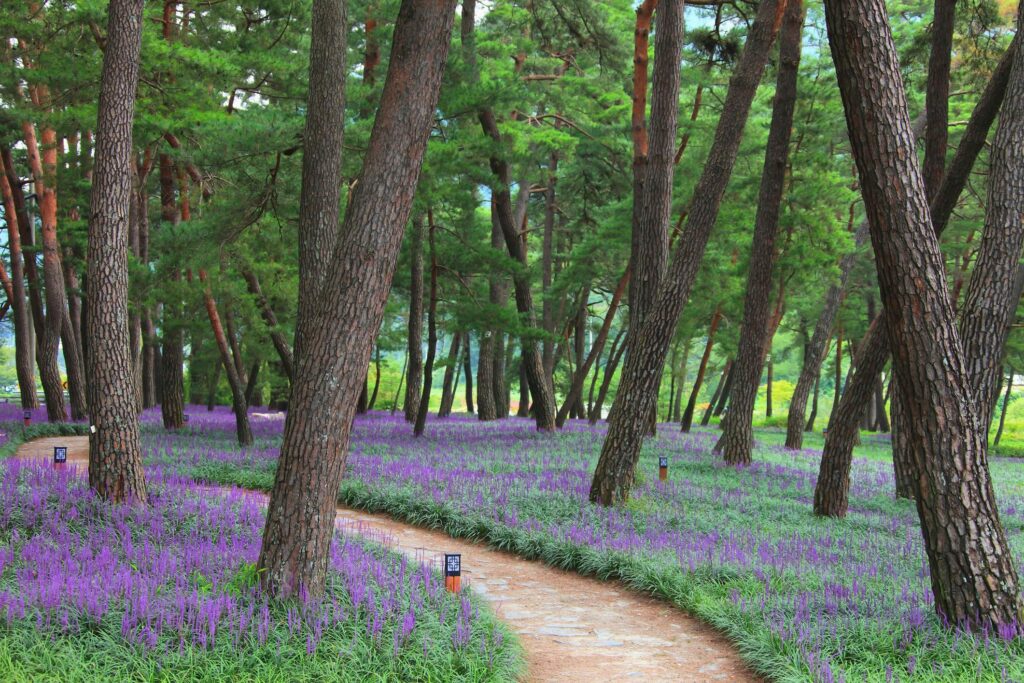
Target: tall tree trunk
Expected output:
[331,366]
[636,397]
[524,407]
[238,400]
[172,359]
[414,374]
[450,368]
[682,375]
[423,407]
[401,383]
[837,378]
[876,352]
[547,268]
[576,388]
[654,146]
[486,409]
[115,458]
[686,421]
[498,384]
[150,361]
[723,399]
[251,397]
[936,97]
[737,441]
[467,369]
[995,287]
[19,304]
[769,376]
[971,565]
[74,364]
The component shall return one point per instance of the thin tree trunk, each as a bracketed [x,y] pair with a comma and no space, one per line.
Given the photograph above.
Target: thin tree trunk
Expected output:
[687,420]
[768,387]
[576,388]
[376,379]
[737,441]
[971,565]
[636,397]
[423,407]
[450,369]
[338,334]
[719,390]
[609,372]
[809,427]
[1002,411]
[251,397]
[723,399]
[401,381]
[74,364]
[238,399]
[23,346]
[172,380]
[837,378]
[414,375]
[467,369]
[682,373]
[284,351]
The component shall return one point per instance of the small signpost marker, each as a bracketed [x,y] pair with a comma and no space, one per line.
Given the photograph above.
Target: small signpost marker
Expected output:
[663,467]
[60,455]
[186,417]
[452,572]
[28,418]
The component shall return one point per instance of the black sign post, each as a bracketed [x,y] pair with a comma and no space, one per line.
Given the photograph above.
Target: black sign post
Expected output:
[60,455]
[663,467]
[27,417]
[452,572]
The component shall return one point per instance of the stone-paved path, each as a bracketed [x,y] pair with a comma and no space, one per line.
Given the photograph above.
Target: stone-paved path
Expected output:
[573,628]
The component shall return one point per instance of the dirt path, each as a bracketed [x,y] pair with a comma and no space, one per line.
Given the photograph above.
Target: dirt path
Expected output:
[573,628]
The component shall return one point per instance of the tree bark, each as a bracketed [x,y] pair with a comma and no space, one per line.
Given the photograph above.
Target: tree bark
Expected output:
[467,369]
[971,566]
[239,404]
[719,390]
[331,367]
[994,289]
[172,359]
[19,303]
[423,406]
[687,420]
[737,441]
[115,457]
[614,358]
[649,344]
[448,387]
[936,100]
[576,388]
[284,352]
[414,374]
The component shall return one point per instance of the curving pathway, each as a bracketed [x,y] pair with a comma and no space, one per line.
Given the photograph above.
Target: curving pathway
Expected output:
[572,628]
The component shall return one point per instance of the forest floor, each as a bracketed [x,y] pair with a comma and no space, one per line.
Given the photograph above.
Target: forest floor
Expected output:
[572,628]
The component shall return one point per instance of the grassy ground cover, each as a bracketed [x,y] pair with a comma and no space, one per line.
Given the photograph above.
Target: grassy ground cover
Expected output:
[803,598]
[92,591]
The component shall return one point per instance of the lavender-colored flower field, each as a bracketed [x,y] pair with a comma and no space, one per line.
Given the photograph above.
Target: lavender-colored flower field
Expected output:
[805,598]
[172,585]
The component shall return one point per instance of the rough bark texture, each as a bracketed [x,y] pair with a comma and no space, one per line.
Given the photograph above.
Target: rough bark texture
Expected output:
[971,566]
[637,394]
[414,373]
[485,408]
[115,458]
[844,438]
[686,422]
[321,159]
[993,292]
[467,369]
[330,371]
[737,440]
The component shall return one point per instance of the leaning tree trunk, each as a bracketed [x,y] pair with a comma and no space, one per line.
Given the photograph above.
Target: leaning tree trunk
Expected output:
[284,352]
[686,422]
[637,396]
[339,326]
[737,440]
[994,289]
[239,403]
[1002,410]
[971,565]
[115,457]
[414,373]
[842,437]
[614,358]
[448,386]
